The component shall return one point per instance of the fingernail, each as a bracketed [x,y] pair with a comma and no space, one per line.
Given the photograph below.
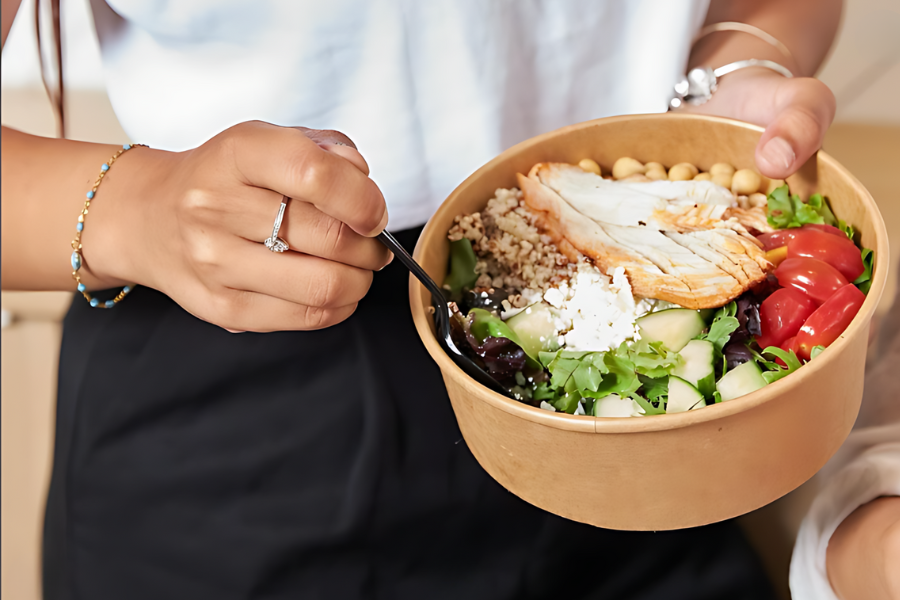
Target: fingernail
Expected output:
[381,226]
[390,260]
[779,152]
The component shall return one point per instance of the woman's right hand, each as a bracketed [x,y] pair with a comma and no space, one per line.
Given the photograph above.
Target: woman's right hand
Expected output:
[191,225]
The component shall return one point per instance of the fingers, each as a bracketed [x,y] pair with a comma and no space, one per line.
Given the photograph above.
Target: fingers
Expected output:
[291,276]
[804,109]
[337,143]
[238,311]
[288,162]
[305,228]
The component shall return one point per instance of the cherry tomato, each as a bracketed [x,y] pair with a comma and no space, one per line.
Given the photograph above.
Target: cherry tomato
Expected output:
[782,314]
[776,239]
[842,254]
[827,229]
[830,320]
[781,237]
[815,278]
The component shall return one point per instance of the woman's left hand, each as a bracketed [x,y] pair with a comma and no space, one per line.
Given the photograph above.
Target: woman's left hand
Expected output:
[795,112]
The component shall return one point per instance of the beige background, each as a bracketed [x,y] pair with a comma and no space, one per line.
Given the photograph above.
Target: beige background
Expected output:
[864,72]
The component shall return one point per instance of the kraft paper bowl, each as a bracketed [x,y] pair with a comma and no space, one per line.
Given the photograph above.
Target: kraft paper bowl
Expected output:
[668,471]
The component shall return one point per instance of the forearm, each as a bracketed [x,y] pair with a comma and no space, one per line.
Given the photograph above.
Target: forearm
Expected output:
[43,190]
[806,27]
[864,552]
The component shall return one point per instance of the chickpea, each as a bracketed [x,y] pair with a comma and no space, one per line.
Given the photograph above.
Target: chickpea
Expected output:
[683,172]
[723,168]
[626,166]
[723,179]
[590,166]
[757,200]
[774,184]
[743,202]
[745,181]
[638,178]
[702,177]
[656,171]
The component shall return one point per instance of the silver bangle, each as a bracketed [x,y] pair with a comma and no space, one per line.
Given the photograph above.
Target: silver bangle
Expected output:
[745,28]
[699,84]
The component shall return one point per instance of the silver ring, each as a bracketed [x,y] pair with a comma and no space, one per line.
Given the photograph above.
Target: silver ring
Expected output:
[273,242]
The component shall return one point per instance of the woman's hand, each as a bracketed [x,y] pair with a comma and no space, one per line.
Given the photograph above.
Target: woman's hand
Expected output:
[795,112]
[192,224]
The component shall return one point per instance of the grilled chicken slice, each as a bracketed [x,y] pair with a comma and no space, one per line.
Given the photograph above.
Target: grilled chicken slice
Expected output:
[570,230]
[678,249]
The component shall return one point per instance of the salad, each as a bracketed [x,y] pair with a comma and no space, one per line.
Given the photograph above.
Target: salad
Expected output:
[650,291]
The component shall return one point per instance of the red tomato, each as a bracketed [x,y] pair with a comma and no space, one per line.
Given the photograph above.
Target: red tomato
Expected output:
[782,314]
[842,254]
[815,278]
[830,320]
[776,239]
[827,229]
[781,237]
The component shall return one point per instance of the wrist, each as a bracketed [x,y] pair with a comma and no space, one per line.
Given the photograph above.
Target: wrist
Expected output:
[122,221]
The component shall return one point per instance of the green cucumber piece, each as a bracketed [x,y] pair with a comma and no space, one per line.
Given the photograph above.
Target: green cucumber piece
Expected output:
[674,327]
[698,366]
[683,396]
[535,329]
[741,380]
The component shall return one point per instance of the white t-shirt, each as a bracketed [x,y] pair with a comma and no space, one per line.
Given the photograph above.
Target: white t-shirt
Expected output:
[428,90]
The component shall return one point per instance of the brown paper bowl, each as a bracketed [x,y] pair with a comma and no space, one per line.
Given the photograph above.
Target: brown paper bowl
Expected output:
[668,471]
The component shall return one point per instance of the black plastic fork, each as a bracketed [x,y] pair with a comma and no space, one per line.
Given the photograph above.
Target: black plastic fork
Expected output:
[442,316]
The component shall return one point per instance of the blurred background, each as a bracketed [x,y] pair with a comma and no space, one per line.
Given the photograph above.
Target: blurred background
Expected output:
[863,70]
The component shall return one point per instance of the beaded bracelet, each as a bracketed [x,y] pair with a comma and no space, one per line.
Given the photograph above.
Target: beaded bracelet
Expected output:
[77,259]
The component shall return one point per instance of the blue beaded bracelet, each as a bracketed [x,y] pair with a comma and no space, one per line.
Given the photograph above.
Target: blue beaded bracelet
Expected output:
[77,259]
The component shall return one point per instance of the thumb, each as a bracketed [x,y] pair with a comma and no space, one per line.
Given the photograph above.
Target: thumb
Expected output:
[804,110]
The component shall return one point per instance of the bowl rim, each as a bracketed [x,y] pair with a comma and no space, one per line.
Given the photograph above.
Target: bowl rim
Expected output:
[712,412]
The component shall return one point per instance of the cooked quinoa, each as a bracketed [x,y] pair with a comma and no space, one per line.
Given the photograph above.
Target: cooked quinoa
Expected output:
[512,254]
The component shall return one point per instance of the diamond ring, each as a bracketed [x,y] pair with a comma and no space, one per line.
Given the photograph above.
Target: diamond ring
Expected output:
[273,242]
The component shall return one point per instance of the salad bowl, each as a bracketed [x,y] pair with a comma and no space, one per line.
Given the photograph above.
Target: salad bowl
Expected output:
[675,470]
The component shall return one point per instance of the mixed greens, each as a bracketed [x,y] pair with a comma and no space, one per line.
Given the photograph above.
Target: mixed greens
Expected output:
[682,359]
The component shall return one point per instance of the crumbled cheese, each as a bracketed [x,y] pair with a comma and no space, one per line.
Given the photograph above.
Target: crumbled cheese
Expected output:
[546,406]
[601,312]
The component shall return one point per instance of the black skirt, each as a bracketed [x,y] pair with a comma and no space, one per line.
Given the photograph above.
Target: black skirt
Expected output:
[194,463]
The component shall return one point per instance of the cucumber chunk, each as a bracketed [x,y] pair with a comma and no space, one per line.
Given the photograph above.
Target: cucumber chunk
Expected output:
[683,396]
[615,406]
[698,366]
[741,380]
[674,327]
[535,329]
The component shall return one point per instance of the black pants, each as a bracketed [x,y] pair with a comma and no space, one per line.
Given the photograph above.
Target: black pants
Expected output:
[194,463]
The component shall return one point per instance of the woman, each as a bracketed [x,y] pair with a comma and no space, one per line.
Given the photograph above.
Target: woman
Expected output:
[323,460]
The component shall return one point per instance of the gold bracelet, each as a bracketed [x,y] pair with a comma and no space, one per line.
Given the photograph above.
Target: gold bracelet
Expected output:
[77,257]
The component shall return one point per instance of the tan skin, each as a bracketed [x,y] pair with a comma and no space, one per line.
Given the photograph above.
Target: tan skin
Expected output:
[189,223]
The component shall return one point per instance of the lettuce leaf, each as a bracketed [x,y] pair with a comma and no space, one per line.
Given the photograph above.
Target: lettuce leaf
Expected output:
[786,211]
[774,371]
[723,325]
[462,273]
[846,228]
[864,281]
